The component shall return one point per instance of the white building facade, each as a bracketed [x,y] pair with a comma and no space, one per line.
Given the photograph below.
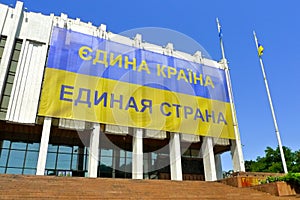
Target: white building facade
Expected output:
[32,144]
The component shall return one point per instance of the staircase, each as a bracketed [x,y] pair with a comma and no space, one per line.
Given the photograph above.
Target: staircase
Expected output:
[47,187]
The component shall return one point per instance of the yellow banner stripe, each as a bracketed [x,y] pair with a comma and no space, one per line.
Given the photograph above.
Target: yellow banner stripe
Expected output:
[81,97]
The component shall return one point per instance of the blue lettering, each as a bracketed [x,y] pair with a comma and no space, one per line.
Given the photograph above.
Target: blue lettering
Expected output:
[63,92]
[146,103]
[113,100]
[162,109]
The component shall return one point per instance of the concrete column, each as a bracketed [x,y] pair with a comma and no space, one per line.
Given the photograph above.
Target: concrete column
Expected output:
[137,154]
[146,165]
[218,162]
[175,157]
[94,151]
[208,159]
[41,164]
[80,158]
[116,162]
[237,156]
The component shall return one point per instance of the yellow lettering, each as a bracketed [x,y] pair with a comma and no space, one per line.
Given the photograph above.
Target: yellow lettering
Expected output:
[171,71]
[133,63]
[190,76]
[160,70]
[198,79]
[181,75]
[208,81]
[144,66]
[98,57]
[113,60]
[84,51]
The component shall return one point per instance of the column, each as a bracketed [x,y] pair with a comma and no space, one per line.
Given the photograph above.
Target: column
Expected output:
[41,164]
[218,162]
[146,165]
[94,151]
[80,158]
[137,154]
[237,156]
[175,157]
[116,161]
[208,159]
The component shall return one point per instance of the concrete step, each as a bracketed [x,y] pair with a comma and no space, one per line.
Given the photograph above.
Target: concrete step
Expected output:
[50,187]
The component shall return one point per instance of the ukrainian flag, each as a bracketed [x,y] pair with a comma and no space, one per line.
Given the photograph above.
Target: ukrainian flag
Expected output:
[260,50]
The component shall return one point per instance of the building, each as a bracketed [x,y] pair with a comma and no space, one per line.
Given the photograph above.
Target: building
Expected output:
[32,143]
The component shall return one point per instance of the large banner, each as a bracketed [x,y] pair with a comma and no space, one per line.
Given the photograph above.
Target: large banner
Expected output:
[92,79]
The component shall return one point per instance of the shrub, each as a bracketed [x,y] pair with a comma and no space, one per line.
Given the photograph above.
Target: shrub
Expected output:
[291,178]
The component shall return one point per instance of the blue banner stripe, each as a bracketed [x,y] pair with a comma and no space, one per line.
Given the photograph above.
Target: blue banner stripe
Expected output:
[64,55]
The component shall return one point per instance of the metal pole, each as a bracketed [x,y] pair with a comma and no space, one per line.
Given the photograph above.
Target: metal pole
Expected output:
[272,108]
[231,100]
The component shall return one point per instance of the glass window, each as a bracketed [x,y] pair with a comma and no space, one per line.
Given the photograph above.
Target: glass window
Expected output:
[16,55]
[122,153]
[10,78]
[128,161]
[75,149]
[154,155]
[19,145]
[18,45]
[14,171]
[12,69]
[106,161]
[187,153]
[106,152]
[16,158]
[2,41]
[2,170]
[195,153]
[5,144]
[29,171]
[13,66]
[2,114]
[64,161]
[122,162]
[8,88]
[128,154]
[75,161]
[33,146]
[1,51]
[52,148]
[64,149]
[2,44]
[5,101]
[51,160]
[3,157]
[86,163]
[31,159]
[50,172]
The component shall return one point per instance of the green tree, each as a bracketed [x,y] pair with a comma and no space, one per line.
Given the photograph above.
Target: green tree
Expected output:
[271,162]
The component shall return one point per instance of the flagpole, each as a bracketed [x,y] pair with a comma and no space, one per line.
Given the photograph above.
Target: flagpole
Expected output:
[272,108]
[240,158]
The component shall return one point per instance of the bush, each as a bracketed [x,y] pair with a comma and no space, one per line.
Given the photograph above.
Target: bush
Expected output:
[291,178]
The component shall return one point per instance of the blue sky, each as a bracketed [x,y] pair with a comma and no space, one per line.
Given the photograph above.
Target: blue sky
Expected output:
[277,29]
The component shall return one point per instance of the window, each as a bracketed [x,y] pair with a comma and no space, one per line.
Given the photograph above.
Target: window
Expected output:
[10,75]
[2,45]
[115,163]
[18,157]
[64,159]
